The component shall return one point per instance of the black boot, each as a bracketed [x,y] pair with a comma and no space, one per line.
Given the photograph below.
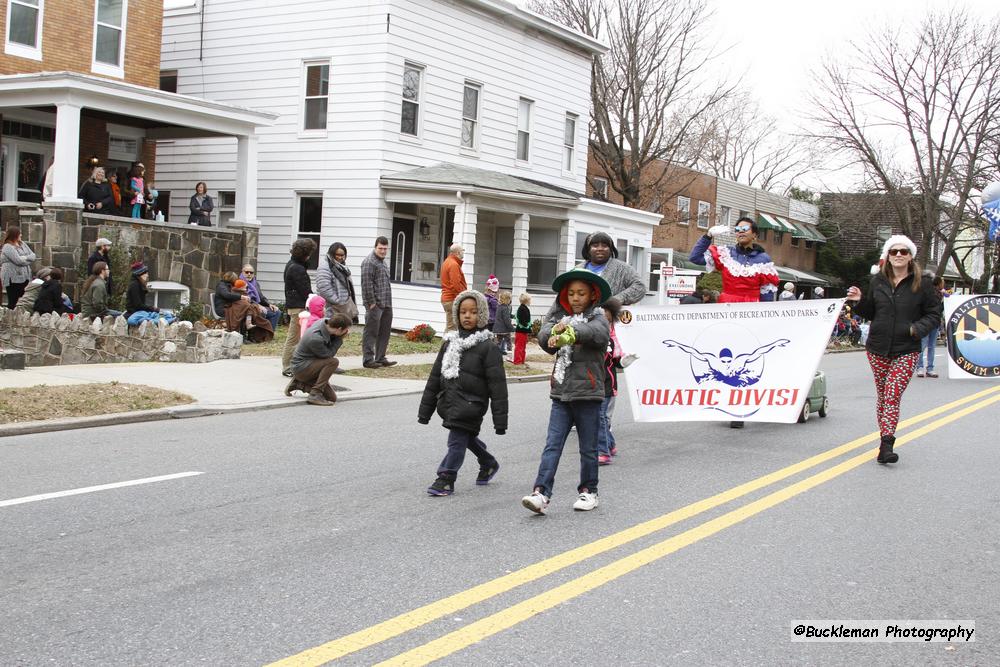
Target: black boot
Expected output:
[885,453]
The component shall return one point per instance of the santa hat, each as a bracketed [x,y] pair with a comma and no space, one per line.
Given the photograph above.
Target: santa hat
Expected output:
[492,283]
[896,239]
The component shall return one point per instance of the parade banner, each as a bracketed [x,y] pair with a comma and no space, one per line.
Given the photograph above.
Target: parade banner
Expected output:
[972,331]
[723,362]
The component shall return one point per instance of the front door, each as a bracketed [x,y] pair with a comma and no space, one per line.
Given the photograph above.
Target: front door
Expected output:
[401,259]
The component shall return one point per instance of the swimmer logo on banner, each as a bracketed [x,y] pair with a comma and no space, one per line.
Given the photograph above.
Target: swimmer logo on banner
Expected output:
[973,335]
[723,362]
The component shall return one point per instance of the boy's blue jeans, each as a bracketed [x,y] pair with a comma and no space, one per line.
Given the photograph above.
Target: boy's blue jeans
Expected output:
[927,344]
[586,415]
[605,438]
[458,442]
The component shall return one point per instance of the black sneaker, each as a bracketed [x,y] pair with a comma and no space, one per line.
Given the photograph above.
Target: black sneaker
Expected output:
[486,473]
[441,487]
[387,363]
[372,364]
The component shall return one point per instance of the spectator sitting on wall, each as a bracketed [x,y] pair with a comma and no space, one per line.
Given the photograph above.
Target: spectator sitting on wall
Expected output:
[225,295]
[94,293]
[50,297]
[33,291]
[135,297]
[246,318]
[256,294]
[96,193]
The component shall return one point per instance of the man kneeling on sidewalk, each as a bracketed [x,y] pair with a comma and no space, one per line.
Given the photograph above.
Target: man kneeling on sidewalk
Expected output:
[314,361]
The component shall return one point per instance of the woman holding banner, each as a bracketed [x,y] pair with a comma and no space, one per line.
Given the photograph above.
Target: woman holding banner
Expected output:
[903,308]
[748,274]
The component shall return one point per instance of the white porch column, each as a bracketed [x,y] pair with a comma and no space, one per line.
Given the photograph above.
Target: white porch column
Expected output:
[466,219]
[567,244]
[67,156]
[246,179]
[522,231]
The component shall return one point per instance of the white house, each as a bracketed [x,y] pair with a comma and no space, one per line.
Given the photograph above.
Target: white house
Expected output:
[424,121]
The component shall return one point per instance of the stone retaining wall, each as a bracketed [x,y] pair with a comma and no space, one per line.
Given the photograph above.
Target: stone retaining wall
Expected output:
[194,256]
[51,340]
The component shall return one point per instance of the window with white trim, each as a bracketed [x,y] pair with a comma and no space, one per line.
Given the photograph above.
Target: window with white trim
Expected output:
[622,248]
[569,143]
[110,20]
[124,149]
[581,238]
[471,95]
[543,257]
[882,234]
[600,187]
[24,28]
[725,212]
[310,224]
[524,111]
[316,99]
[226,207]
[704,211]
[683,210]
[409,122]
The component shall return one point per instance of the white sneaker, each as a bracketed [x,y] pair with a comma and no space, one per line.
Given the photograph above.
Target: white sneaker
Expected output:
[586,502]
[920,372]
[628,359]
[537,502]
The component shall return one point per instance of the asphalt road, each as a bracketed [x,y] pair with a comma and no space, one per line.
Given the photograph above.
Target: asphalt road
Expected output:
[309,525]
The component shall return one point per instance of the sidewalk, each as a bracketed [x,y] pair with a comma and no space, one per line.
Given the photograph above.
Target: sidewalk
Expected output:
[228,385]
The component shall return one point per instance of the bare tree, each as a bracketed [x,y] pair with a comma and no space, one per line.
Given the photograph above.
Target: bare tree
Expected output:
[916,109]
[648,91]
[743,144]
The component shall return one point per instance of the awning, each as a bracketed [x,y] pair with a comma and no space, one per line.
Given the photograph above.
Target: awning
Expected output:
[765,221]
[681,261]
[801,232]
[786,226]
[800,277]
[816,234]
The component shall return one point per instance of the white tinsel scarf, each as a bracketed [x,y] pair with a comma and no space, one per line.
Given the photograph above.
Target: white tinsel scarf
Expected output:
[456,346]
[564,357]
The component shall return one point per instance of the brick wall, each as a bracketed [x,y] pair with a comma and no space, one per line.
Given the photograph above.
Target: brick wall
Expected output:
[676,231]
[68,40]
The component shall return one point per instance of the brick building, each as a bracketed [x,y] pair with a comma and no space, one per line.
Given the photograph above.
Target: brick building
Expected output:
[80,83]
[691,202]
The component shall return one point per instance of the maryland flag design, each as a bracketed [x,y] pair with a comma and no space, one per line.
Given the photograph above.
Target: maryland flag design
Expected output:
[974,335]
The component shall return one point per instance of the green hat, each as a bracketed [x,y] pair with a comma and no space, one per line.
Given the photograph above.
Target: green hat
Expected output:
[587,277]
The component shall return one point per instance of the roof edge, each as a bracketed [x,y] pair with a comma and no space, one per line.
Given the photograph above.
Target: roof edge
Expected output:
[543,24]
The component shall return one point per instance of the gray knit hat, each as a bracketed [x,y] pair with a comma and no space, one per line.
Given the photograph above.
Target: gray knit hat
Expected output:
[481,306]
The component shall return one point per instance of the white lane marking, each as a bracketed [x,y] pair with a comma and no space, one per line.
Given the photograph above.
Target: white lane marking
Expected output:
[91,489]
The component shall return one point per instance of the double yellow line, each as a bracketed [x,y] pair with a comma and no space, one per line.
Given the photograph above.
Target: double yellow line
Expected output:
[511,616]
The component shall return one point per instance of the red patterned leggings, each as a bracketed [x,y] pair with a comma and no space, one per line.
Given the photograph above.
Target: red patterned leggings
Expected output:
[892,374]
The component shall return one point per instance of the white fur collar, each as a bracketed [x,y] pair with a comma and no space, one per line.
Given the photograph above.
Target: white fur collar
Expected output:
[456,346]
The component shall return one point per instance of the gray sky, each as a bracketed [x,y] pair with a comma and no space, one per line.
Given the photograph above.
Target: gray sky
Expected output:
[776,44]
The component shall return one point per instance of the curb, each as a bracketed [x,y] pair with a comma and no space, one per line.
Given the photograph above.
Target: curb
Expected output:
[195,410]
[176,412]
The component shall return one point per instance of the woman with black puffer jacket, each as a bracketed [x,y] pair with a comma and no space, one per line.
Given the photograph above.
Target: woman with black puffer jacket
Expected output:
[902,308]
